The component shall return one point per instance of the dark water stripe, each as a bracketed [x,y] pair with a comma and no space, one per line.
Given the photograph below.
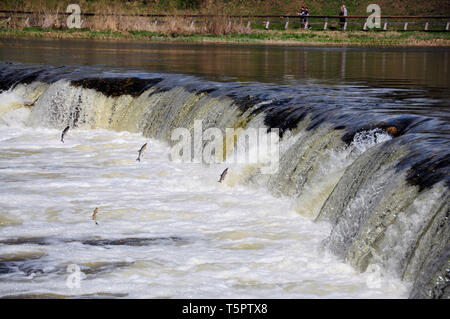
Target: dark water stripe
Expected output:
[117,86]
[42,266]
[26,266]
[134,241]
[99,295]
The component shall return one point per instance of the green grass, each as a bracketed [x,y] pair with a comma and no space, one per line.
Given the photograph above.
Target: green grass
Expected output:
[36,29]
[290,37]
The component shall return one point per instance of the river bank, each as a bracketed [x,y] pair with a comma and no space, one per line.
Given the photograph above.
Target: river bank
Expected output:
[268,37]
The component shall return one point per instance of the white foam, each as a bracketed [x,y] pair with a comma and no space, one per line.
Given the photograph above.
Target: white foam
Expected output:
[364,140]
[10,101]
[15,118]
[234,242]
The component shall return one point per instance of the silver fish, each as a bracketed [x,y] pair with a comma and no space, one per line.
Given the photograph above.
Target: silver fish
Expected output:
[141,151]
[94,215]
[64,133]
[222,176]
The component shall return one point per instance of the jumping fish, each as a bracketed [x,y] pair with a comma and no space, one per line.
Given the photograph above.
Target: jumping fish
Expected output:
[64,133]
[222,176]
[141,151]
[94,215]
[30,103]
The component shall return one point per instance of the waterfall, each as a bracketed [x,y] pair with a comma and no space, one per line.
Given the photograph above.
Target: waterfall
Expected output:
[381,179]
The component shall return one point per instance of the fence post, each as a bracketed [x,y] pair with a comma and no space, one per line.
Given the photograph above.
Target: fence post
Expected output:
[405,28]
[286,25]
[267,24]
[426,26]
[325,25]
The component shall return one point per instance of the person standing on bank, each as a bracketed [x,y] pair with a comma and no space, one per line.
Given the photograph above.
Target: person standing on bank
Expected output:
[343,13]
[306,19]
[302,15]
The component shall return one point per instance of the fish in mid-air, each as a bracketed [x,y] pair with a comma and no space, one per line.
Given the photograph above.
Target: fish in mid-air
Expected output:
[141,151]
[64,132]
[94,215]
[222,176]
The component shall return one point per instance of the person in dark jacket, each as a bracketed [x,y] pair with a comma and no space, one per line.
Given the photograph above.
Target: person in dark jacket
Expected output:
[302,15]
[343,13]
[307,15]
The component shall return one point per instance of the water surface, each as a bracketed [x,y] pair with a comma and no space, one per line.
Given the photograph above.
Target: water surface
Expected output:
[168,229]
[406,68]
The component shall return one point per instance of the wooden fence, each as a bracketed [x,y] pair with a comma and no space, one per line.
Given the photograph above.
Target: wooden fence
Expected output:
[274,22]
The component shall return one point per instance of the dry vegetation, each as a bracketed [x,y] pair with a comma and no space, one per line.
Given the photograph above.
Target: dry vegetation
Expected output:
[241,7]
[52,16]
[174,25]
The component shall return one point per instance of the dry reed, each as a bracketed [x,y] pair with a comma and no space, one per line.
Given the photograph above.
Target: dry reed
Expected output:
[173,25]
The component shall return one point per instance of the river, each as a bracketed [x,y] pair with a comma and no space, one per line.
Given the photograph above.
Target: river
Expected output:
[350,213]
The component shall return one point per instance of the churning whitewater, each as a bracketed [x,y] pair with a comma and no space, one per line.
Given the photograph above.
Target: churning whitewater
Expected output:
[165,229]
[358,207]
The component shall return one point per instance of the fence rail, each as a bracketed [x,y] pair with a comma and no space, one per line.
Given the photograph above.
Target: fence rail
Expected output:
[269,21]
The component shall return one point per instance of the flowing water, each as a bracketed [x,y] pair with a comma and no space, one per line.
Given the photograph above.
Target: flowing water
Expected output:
[357,209]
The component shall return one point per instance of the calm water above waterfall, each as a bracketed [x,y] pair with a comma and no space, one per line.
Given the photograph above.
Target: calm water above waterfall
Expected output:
[358,208]
[403,68]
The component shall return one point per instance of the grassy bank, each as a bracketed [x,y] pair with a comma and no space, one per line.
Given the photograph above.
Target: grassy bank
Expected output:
[301,37]
[240,7]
